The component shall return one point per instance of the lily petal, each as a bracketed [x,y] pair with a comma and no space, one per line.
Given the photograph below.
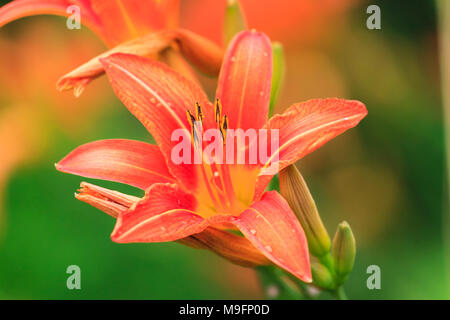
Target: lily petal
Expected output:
[127,161]
[273,228]
[306,126]
[232,247]
[159,98]
[78,79]
[200,51]
[24,8]
[166,213]
[113,21]
[244,81]
[125,20]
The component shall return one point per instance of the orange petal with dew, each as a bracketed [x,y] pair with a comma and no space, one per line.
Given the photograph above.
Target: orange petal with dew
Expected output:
[166,213]
[274,229]
[159,97]
[306,126]
[245,80]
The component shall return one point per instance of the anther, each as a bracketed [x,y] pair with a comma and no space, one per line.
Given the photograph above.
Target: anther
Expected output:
[218,111]
[199,112]
[192,122]
[224,128]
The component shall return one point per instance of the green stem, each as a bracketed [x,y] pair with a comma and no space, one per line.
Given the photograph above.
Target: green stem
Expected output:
[340,293]
[302,287]
[327,261]
[274,286]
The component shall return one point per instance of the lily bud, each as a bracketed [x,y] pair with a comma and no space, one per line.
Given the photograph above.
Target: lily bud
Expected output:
[234,20]
[294,189]
[277,74]
[344,251]
[322,276]
[108,201]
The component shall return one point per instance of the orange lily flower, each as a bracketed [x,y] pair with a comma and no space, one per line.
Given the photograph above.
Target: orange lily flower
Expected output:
[185,200]
[145,28]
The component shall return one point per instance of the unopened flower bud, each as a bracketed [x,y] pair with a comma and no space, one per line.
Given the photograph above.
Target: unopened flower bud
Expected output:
[108,201]
[322,277]
[294,189]
[234,21]
[344,251]
[277,74]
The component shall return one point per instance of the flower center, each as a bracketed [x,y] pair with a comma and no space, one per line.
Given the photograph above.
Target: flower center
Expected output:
[215,174]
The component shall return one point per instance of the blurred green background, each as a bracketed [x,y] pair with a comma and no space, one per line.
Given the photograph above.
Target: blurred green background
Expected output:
[385,177]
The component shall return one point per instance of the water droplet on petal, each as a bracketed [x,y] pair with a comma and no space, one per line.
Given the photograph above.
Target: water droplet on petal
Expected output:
[253,231]
[345,118]
[216,174]
[268,248]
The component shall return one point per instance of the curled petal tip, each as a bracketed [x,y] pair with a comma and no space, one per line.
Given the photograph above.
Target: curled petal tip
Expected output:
[19,9]
[59,167]
[77,84]
[307,278]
